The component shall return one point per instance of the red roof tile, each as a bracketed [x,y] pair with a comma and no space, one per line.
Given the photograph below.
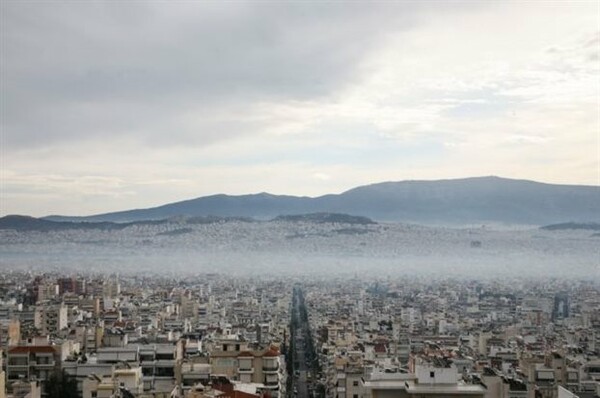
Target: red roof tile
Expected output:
[271,353]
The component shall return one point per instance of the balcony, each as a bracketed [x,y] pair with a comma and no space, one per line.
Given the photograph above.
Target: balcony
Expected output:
[272,385]
[270,369]
[164,372]
[246,370]
[18,365]
[16,375]
[44,365]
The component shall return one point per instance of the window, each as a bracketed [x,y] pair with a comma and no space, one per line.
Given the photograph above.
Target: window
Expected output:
[94,394]
[355,384]
[245,364]
[432,374]
[165,372]
[148,370]
[355,396]
[18,361]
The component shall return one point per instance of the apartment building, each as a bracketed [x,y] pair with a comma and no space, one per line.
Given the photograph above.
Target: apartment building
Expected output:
[429,380]
[52,318]
[10,333]
[123,381]
[31,363]
[249,366]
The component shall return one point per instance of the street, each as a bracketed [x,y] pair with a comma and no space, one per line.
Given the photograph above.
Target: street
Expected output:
[301,334]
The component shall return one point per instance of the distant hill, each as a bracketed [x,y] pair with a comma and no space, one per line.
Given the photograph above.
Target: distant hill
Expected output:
[215,220]
[26,223]
[458,201]
[326,218]
[591,226]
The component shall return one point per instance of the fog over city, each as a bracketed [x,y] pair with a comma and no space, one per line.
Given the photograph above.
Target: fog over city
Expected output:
[295,248]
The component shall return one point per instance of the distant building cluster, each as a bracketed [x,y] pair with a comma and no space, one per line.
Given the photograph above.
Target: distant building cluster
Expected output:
[221,336]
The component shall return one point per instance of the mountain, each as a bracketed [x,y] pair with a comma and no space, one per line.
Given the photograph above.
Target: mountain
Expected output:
[457,201]
[26,223]
[590,226]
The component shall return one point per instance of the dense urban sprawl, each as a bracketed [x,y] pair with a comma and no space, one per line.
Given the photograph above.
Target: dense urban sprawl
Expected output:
[360,336]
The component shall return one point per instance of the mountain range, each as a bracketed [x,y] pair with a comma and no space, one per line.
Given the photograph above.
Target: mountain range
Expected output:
[455,201]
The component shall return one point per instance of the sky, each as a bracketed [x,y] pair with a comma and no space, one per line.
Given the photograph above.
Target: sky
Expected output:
[109,106]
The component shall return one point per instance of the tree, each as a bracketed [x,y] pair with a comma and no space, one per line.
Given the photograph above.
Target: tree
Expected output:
[61,385]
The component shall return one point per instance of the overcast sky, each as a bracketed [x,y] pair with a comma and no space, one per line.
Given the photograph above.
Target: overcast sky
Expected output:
[116,105]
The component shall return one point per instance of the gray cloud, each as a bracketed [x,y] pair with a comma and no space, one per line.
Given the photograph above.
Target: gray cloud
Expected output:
[105,69]
[109,105]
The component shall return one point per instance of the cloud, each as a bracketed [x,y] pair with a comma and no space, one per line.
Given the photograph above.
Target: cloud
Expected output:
[322,176]
[107,105]
[141,69]
[526,139]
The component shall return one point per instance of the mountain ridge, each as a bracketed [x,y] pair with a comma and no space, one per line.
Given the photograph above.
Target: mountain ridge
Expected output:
[488,199]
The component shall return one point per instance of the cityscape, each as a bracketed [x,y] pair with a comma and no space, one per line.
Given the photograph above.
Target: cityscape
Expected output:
[299,199]
[363,336]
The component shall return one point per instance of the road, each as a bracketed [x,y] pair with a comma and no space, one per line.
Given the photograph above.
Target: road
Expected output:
[301,334]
